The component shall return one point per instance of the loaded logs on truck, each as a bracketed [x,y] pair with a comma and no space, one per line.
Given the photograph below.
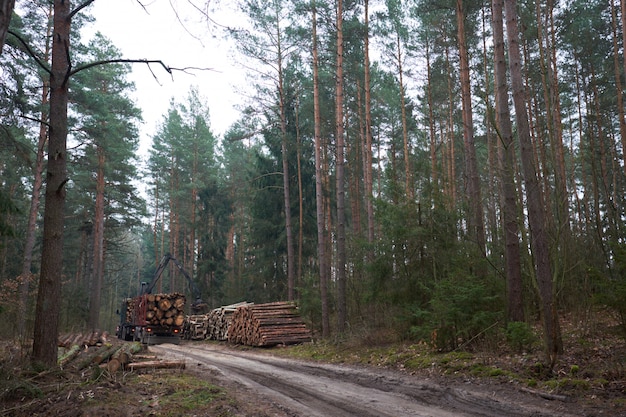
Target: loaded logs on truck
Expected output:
[268,325]
[165,309]
[153,315]
[157,318]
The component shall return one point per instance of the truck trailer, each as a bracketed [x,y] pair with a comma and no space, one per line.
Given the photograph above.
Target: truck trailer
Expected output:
[157,318]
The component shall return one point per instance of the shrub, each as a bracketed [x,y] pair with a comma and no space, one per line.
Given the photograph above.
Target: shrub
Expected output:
[520,335]
[612,288]
[460,312]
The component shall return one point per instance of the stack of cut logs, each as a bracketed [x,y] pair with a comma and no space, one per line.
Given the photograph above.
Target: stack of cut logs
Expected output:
[112,357]
[196,327]
[268,325]
[219,320]
[93,338]
[165,309]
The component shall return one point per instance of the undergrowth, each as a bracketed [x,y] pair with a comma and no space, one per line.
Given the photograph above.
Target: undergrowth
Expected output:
[594,362]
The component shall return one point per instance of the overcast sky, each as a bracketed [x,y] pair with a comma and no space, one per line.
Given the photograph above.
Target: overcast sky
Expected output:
[156,33]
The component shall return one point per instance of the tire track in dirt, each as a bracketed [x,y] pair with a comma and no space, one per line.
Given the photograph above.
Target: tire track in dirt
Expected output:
[311,389]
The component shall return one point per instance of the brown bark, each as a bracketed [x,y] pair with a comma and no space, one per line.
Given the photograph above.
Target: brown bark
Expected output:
[6,11]
[583,213]
[98,244]
[476,226]
[298,276]
[192,248]
[367,150]
[549,77]
[405,134]
[49,293]
[492,144]
[618,78]
[506,148]
[353,173]
[319,195]
[535,205]
[600,146]
[623,10]
[434,172]
[339,166]
[450,148]
[286,187]
[360,156]
[29,244]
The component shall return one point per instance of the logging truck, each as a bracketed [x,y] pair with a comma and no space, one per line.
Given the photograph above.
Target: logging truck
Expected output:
[157,318]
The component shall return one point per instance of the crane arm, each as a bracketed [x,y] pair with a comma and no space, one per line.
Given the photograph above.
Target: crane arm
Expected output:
[157,274]
[198,305]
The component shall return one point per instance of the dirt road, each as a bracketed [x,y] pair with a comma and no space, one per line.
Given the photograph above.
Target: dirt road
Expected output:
[300,388]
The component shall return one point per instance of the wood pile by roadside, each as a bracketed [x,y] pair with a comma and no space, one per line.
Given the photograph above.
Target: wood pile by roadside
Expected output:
[270,324]
[219,320]
[81,351]
[91,338]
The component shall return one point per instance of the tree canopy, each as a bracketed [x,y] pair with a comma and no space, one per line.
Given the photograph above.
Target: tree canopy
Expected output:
[413,166]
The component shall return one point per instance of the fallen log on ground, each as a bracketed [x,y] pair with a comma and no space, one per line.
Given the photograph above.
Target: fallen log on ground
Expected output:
[95,357]
[122,357]
[92,338]
[156,365]
[69,355]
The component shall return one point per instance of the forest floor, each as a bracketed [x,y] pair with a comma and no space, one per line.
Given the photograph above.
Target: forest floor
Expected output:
[588,380]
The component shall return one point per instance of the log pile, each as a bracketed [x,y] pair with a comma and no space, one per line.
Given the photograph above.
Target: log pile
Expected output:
[113,358]
[163,309]
[196,327]
[268,325]
[93,338]
[219,320]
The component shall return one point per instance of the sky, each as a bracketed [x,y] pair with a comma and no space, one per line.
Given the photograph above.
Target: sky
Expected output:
[155,32]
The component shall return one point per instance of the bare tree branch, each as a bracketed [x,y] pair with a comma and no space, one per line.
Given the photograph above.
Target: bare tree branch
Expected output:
[35,119]
[183,25]
[167,68]
[30,52]
[79,8]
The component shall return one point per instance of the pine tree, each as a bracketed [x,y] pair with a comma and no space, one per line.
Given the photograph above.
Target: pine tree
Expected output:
[107,120]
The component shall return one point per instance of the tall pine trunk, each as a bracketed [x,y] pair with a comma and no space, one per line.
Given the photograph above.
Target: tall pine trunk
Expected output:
[476,227]
[408,187]
[29,242]
[506,153]
[492,229]
[534,198]
[623,7]
[319,191]
[284,150]
[340,167]
[98,245]
[549,78]
[367,165]
[6,10]
[618,78]
[49,294]
[434,172]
